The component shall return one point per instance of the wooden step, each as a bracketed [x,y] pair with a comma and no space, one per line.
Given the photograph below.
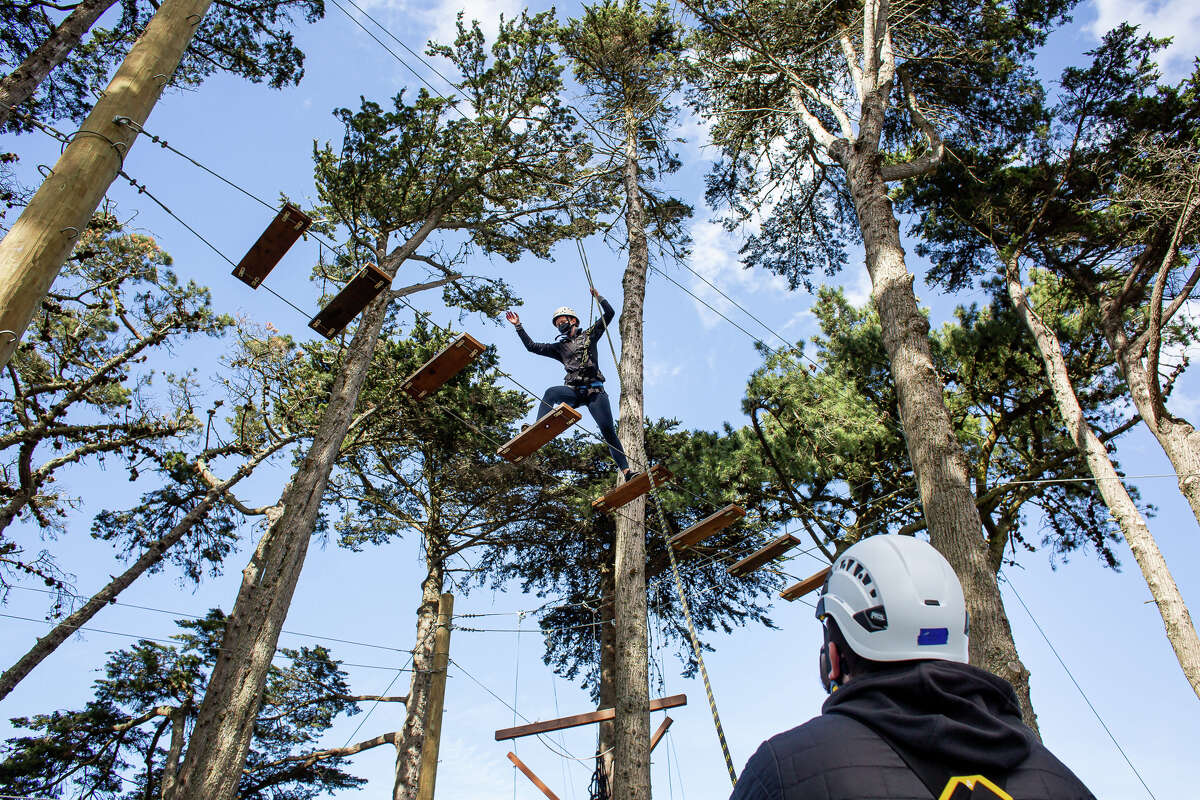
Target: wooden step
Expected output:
[798,590]
[575,720]
[631,490]
[434,373]
[288,226]
[531,439]
[772,551]
[709,526]
[660,732]
[350,301]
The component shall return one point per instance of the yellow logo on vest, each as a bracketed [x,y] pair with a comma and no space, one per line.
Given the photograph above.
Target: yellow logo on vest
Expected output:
[973,787]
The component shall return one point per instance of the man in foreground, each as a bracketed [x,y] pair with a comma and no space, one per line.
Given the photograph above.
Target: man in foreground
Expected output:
[907,717]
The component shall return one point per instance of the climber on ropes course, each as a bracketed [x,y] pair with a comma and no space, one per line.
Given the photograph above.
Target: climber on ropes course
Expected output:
[907,716]
[575,348]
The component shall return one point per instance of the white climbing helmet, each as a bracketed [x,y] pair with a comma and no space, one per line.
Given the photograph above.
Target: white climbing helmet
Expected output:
[895,598]
[564,311]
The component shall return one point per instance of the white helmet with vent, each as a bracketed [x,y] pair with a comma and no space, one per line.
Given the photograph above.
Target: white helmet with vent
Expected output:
[564,311]
[895,598]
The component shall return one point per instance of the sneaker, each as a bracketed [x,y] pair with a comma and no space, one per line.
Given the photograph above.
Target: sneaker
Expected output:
[629,475]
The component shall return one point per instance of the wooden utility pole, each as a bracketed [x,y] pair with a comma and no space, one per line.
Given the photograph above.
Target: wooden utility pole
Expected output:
[437,698]
[39,242]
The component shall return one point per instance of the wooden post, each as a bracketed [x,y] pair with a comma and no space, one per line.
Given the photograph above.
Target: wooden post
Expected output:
[437,698]
[41,239]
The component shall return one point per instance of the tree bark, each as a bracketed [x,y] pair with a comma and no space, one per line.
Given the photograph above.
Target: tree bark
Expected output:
[631,726]
[411,738]
[225,721]
[19,85]
[1181,632]
[152,555]
[607,633]
[939,464]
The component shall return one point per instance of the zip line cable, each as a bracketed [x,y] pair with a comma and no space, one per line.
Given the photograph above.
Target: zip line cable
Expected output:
[1082,693]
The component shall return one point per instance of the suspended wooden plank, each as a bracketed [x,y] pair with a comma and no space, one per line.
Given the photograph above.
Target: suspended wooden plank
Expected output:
[445,365]
[288,226]
[658,734]
[631,490]
[574,721]
[759,557]
[709,526]
[798,590]
[350,301]
[528,441]
[534,779]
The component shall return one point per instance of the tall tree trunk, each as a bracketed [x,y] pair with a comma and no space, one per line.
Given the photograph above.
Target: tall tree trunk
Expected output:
[938,461]
[152,555]
[631,727]
[411,738]
[1178,438]
[1178,622]
[607,633]
[225,722]
[19,85]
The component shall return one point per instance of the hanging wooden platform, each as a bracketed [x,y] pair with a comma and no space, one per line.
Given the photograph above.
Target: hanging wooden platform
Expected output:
[631,490]
[658,734]
[445,365]
[350,301]
[798,590]
[709,526]
[574,721]
[759,557]
[534,779]
[532,438]
[288,226]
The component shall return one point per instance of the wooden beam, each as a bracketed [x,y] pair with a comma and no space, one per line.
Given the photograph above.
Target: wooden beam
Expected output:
[288,226]
[774,550]
[709,526]
[442,367]
[798,590]
[350,301]
[528,441]
[600,715]
[533,778]
[630,490]
[658,734]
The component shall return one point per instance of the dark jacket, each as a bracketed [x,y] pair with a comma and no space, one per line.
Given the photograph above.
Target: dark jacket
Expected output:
[577,353]
[880,733]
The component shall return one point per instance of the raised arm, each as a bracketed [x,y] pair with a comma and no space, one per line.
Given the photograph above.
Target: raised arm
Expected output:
[605,318]
[548,349]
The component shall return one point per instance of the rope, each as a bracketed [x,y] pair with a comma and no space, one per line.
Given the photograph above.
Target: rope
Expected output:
[687,614]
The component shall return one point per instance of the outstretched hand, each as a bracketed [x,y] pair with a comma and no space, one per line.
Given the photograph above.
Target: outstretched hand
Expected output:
[512,317]
[595,294]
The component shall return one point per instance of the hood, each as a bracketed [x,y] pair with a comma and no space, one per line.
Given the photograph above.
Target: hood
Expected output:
[940,711]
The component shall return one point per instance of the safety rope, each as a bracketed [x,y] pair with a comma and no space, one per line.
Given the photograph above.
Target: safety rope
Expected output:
[687,615]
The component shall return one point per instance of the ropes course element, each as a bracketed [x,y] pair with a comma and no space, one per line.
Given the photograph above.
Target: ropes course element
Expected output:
[687,614]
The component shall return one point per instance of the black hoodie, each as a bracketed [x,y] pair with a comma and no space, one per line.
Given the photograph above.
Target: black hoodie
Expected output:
[902,734]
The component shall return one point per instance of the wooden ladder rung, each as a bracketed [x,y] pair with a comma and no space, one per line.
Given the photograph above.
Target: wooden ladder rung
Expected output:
[631,490]
[588,718]
[435,372]
[772,551]
[350,301]
[532,438]
[709,526]
[798,590]
[288,226]
[660,732]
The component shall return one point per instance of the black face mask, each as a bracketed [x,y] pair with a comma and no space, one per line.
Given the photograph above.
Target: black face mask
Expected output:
[564,327]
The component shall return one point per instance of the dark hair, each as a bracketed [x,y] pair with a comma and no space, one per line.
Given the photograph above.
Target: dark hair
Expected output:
[852,662]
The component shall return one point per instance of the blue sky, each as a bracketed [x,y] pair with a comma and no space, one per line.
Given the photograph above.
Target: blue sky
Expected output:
[1099,621]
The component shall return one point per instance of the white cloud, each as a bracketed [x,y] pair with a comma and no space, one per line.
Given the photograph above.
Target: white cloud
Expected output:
[715,257]
[1179,19]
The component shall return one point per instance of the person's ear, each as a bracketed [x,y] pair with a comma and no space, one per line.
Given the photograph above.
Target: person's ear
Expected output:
[835,664]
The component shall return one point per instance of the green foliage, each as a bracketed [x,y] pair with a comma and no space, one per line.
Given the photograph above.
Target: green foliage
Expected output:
[117,746]
[968,65]
[77,390]
[827,445]
[249,38]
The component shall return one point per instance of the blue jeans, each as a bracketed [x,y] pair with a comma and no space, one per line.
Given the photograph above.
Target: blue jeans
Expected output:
[596,400]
